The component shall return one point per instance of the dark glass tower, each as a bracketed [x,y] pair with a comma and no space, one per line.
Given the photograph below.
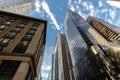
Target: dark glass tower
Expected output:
[88,49]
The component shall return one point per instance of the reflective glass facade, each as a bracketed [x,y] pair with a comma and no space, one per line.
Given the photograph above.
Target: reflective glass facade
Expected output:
[80,39]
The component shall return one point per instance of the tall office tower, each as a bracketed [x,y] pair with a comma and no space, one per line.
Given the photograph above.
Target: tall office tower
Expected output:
[88,50]
[63,60]
[56,70]
[22,41]
[51,74]
[110,32]
[22,7]
[114,3]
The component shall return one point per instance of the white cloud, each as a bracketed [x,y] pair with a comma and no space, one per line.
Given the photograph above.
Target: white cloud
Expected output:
[46,67]
[104,10]
[72,8]
[112,13]
[91,9]
[79,1]
[109,20]
[82,14]
[85,5]
[100,3]
[37,6]
[45,75]
[47,10]
[42,7]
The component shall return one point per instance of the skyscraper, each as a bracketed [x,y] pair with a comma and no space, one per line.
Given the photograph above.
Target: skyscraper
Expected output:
[88,50]
[63,64]
[51,74]
[22,7]
[22,41]
[114,3]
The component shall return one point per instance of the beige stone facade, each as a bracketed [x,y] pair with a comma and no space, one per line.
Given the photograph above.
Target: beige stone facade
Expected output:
[22,41]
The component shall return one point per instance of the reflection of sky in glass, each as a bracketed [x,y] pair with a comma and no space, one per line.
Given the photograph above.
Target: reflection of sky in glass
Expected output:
[75,41]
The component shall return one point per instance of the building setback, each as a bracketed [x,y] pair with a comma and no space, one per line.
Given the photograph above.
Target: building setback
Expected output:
[22,41]
[63,65]
[22,7]
[90,50]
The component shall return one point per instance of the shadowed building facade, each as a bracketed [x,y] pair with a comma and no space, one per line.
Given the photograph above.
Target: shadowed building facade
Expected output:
[22,41]
[89,50]
[63,65]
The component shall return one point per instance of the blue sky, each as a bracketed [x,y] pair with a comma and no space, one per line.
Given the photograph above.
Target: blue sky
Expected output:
[54,12]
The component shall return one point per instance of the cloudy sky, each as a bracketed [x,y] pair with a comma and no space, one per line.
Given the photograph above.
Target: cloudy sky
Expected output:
[54,12]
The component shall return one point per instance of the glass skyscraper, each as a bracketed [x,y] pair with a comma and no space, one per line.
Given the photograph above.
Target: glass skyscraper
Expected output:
[88,49]
[21,7]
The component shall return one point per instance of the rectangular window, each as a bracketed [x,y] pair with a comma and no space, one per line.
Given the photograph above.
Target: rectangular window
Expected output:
[25,43]
[8,23]
[17,29]
[10,35]
[27,37]
[21,25]
[5,41]
[12,19]
[33,28]
[36,24]
[2,27]
[31,32]
[0,17]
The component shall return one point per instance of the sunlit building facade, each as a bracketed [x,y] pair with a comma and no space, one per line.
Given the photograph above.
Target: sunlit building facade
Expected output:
[64,67]
[22,41]
[88,50]
[21,7]
[114,3]
[111,34]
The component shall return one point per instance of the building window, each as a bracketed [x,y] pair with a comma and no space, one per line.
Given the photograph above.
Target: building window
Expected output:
[25,22]
[27,37]
[0,17]
[25,43]
[17,30]
[36,24]
[1,48]
[21,47]
[2,27]
[33,28]
[1,39]
[12,19]
[8,23]
[4,42]
[31,32]
[21,25]
[10,35]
